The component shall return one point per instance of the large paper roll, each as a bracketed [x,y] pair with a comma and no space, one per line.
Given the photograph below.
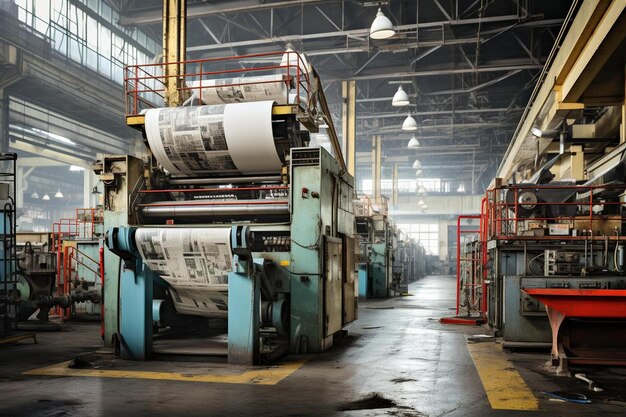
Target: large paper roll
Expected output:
[226,139]
[195,262]
[241,89]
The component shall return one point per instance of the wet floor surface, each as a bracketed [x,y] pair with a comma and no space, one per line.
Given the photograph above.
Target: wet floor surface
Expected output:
[397,360]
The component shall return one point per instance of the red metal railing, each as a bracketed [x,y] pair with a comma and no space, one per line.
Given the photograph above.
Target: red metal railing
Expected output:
[83,227]
[504,217]
[145,80]
[467,263]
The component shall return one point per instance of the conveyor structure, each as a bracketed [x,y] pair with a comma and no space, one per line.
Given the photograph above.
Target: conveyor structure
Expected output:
[544,251]
[388,260]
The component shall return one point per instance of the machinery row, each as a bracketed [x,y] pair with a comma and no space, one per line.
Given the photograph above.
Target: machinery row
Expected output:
[389,260]
[56,275]
[546,266]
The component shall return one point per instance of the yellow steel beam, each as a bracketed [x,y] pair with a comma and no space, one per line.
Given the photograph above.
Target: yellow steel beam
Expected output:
[607,36]
[585,24]
[394,193]
[376,166]
[348,127]
[174,49]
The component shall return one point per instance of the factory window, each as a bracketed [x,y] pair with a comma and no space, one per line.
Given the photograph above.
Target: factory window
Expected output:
[426,233]
[85,32]
[408,185]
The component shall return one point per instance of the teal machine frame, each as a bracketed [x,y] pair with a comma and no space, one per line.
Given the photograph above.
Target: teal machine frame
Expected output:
[380,271]
[293,279]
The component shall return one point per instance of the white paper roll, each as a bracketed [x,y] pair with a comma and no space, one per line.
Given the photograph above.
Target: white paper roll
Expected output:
[195,262]
[259,88]
[226,139]
[251,143]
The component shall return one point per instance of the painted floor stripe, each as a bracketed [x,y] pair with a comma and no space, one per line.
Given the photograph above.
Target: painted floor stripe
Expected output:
[265,376]
[505,388]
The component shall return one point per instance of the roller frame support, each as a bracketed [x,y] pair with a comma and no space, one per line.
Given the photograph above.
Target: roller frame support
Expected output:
[136,295]
[244,302]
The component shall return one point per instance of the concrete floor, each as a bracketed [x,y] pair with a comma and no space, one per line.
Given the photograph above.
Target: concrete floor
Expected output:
[396,349]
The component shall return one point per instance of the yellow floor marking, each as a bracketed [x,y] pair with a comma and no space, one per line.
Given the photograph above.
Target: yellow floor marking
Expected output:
[504,386]
[265,376]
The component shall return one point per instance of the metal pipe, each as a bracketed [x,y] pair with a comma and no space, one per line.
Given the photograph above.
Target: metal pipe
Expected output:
[176,211]
[216,180]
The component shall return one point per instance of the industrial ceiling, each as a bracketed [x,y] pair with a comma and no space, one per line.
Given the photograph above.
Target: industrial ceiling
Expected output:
[470,65]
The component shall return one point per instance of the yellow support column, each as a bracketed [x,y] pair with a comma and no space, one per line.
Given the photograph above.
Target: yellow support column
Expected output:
[348,125]
[376,166]
[394,185]
[622,133]
[174,49]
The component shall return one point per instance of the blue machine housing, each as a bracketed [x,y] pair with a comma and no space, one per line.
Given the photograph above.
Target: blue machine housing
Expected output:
[287,297]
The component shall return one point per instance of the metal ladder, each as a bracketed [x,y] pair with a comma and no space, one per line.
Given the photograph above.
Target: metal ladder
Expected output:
[8,256]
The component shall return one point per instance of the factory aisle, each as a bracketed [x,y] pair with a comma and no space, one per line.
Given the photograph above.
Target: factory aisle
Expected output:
[396,361]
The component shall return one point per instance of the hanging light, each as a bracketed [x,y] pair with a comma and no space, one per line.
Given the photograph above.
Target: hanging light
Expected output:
[417,164]
[45,197]
[419,172]
[420,202]
[413,143]
[34,195]
[424,208]
[382,28]
[461,188]
[409,123]
[58,194]
[400,98]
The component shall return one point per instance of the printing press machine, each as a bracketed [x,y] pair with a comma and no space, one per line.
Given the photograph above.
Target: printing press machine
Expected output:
[287,235]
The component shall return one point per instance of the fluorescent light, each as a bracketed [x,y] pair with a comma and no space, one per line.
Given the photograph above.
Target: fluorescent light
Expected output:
[409,123]
[76,168]
[382,28]
[400,98]
[45,197]
[536,132]
[58,194]
[461,188]
[413,143]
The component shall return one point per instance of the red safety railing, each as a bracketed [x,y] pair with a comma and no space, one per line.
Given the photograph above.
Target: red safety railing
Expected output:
[507,217]
[86,226]
[469,266]
[73,258]
[144,84]
[90,222]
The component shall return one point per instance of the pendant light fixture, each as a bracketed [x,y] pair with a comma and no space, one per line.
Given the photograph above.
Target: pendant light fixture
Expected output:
[409,123]
[381,28]
[413,143]
[401,98]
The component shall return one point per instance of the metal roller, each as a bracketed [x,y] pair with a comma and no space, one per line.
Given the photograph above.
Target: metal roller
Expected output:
[219,180]
[169,210]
